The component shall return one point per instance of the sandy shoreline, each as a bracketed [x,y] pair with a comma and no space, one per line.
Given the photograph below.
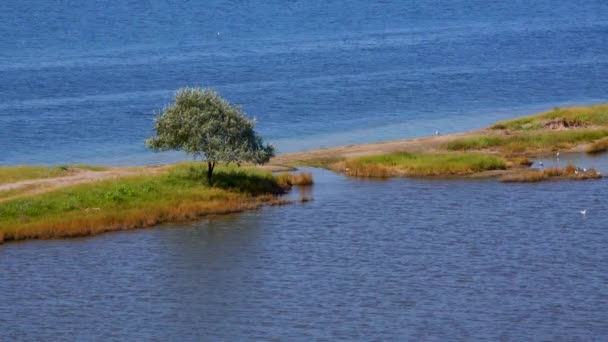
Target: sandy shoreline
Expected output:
[422,144]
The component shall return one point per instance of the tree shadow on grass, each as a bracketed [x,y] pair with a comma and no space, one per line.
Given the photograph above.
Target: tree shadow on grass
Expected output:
[244,182]
[231,178]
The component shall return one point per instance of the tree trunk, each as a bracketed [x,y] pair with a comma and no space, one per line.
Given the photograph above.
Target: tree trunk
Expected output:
[210,167]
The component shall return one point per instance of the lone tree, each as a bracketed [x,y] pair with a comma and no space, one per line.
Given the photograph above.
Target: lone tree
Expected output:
[204,125]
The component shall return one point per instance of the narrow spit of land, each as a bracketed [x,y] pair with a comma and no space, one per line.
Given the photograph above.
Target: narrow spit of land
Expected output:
[503,150]
[82,201]
[66,201]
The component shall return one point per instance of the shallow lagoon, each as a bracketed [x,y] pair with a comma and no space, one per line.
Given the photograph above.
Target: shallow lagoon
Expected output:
[395,259]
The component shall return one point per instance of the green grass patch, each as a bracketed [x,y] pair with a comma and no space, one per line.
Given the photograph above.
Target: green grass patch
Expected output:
[231,177]
[422,164]
[180,193]
[553,140]
[567,117]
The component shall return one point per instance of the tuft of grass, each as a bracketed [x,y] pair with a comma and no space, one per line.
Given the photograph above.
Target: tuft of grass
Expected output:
[568,172]
[598,146]
[288,180]
[302,179]
[560,117]
[139,201]
[420,164]
[528,141]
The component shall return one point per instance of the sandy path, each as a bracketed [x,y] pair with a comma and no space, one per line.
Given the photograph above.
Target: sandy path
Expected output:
[33,186]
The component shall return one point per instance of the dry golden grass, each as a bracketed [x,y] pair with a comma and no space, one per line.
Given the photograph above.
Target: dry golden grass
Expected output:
[100,220]
[528,176]
[598,146]
[288,179]
[519,161]
[568,172]
[304,178]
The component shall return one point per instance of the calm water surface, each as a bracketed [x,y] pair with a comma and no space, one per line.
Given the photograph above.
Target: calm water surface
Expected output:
[386,260]
[393,260]
[80,82]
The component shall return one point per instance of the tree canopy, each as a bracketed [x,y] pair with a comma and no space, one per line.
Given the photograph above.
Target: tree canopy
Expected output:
[206,126]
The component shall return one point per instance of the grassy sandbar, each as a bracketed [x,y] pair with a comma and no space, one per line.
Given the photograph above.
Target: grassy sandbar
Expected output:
[420,164]
[180,193]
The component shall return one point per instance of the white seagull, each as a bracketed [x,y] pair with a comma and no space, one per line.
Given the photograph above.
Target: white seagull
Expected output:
[583,212]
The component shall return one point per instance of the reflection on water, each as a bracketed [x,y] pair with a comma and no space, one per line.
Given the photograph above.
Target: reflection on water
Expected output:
[396,259]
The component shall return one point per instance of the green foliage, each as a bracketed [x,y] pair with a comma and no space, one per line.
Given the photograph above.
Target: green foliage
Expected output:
[206,126]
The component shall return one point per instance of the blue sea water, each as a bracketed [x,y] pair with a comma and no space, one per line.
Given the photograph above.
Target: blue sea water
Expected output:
[81,81]
[400,259]
[392,260]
